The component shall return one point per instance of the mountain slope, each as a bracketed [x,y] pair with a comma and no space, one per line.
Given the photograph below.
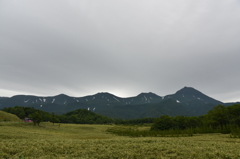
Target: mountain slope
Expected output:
[169,107]
[187,101]
[194,101]
[188,94]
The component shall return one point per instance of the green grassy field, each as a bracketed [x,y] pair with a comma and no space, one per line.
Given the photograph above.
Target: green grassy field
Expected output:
[4,116]
[23,140]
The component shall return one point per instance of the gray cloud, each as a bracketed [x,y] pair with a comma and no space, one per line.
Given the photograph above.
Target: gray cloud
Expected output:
[123,47]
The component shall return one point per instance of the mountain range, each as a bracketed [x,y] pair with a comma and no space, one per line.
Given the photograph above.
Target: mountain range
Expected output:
[187,102]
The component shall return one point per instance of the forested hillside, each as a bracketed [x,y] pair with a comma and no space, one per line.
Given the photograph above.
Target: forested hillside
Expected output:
[217,118]
[79,116]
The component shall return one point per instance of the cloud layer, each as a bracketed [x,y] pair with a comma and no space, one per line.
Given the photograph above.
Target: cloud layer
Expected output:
[124,47]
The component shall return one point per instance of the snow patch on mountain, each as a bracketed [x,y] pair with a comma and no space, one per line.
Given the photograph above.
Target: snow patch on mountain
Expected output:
[145,97]
[116,99]
[26,101]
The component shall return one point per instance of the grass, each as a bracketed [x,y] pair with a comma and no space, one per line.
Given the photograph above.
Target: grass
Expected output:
[4,116]
[144,132]
[235,133]
[23,140]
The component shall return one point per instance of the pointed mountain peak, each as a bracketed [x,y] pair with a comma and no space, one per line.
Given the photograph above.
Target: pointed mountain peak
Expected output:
[188,90]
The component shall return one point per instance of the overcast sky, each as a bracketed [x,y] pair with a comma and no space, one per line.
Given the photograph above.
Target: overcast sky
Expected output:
[124,47]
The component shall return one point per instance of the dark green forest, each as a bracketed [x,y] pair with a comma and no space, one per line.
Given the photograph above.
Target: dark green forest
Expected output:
[79,116]
[221,118]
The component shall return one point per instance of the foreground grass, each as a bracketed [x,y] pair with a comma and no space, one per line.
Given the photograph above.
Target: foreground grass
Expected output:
[21,140]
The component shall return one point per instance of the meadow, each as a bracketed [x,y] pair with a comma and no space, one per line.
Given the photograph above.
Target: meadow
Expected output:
[4,116]
[23,141]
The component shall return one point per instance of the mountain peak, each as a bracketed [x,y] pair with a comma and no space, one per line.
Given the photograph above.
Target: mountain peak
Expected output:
[145,93]
[105,93]
[149,94]
[188,90]
[100,94]
[192,93]
[62,95]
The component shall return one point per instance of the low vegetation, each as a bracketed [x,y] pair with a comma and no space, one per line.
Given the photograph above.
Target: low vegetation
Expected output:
[141,132]
[8,117]
[214,135]
[24,140]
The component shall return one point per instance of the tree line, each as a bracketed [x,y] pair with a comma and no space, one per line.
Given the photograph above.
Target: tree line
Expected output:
[79,116]
[218,118]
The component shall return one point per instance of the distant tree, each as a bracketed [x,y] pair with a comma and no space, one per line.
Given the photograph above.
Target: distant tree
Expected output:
[180,122]
[192,122]
[218,116]
[234,114]
[21,114]
[54,119]
[36,117]
[164,122]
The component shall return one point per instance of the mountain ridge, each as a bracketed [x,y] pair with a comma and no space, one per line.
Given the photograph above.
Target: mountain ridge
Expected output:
[191,101]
